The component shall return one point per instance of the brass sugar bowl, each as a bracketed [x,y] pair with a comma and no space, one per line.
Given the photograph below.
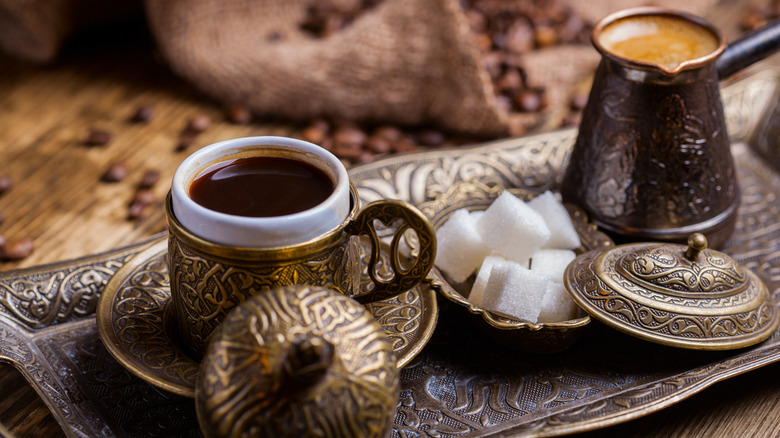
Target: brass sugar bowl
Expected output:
[690,297]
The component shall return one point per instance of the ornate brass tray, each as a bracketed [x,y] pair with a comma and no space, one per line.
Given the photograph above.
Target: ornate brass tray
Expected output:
[461,383]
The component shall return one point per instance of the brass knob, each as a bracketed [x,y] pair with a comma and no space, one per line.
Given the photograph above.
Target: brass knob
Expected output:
[696,244]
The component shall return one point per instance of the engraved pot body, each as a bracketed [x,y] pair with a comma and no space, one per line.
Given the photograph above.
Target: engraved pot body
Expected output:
[652,159]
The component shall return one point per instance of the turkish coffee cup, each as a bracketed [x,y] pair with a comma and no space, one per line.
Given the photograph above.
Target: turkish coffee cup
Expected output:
[250,214]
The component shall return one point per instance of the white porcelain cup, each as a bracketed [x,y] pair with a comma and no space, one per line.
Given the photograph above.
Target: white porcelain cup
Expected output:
[260,232]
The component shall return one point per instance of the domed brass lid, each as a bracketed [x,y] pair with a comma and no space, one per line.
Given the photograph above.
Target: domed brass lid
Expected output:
[690,297]
[298,361]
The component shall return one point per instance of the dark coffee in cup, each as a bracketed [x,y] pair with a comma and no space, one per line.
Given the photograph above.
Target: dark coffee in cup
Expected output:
[261,186]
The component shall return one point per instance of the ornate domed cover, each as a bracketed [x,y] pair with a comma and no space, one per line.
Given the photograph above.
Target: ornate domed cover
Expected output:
[690,297]
[298,361]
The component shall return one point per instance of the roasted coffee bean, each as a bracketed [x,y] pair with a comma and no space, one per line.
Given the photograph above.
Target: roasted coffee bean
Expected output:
[348,134]
[431,137]
[186,139]
[143,196]
[2,219]
[143,114]
[199,123]
[5,184]
[378,144]
[2,243]
[364,157]
[238,114]
[316,131]
[403,145]
[528,101]
[545,36]
[347,151]
[519,37]
[97,137]
[753,18]
[136,210]
[389,133]
[17,249]
[116,172]
[578,101]
[510,81]
[149,179]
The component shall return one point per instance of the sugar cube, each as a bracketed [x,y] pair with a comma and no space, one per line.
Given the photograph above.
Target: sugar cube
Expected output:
[552,262]
[557,306]
[512,228]
[515,291]
[563,235]
[478,289]
[460,249]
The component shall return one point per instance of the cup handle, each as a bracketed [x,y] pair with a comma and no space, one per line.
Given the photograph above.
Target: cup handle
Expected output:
[388,211]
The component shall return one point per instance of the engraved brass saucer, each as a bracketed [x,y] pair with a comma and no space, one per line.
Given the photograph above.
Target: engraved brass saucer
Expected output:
[543,337]
[133,322]
[689,297]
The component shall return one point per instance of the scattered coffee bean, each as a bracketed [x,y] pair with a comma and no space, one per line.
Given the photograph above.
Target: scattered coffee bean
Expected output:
[2,219]
[97,137]
[316,131]
[5,184]
[378,144]
[199,123]
[347,151]
[238,114]
[578,101]
[116,172]
[17,249]
[136,210]
[143,196]
[149,179]
[431,137]
[404,145]
[348,136]
[143,114]
[389,133]
[186,139]
[528,101]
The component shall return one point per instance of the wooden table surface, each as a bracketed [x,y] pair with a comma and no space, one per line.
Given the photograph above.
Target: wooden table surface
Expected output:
[59,201]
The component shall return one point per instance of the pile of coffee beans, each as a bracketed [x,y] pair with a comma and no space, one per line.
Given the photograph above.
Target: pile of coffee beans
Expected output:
[504,31]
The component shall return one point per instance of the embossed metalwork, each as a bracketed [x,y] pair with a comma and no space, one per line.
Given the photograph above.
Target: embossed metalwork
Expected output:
[520,335]
[652,158]
[209,279]
[298,361]
[135,320]
[696,298]
[461,383]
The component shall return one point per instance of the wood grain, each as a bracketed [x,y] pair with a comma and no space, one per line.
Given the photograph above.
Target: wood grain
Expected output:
[60,202]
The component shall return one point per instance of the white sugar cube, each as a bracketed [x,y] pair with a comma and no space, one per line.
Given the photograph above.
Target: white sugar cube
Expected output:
[552,262]
[477,214]
[562,232]
[459,247]
[512,228]
[557,306]
[478,289]
[515,291]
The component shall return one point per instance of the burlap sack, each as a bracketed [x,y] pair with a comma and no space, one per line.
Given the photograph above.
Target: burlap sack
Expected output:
[407,62]
[35,30]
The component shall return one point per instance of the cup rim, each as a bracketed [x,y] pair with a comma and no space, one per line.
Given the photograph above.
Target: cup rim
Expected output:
[235,253]
[207,157]
[643,11]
